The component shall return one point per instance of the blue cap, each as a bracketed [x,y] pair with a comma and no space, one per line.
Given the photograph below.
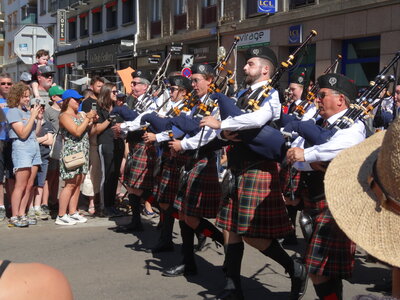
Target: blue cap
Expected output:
[71,94]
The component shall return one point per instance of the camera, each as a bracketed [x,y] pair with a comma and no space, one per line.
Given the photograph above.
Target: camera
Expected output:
[38,101]
[94,106]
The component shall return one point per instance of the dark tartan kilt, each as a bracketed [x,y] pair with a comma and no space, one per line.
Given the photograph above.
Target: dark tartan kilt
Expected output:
[139,167]
[169,177]
[257,208]
[203,192]
[284,177]
[330,252]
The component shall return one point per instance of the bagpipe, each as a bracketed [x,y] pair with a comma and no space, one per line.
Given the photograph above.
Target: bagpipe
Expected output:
[157,84]
[361,110]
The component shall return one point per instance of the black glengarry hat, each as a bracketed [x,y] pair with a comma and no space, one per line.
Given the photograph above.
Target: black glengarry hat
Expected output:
[205,69]
[180,81]
[262,52]
[340,83]
[299,78]
[143,74]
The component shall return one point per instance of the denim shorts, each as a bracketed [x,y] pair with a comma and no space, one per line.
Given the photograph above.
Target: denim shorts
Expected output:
[25,154]
[42,173]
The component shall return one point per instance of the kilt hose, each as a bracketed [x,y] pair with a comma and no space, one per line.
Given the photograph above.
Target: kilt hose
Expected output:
[203,191]
[139,166]
[167,188]
[256,208]
[330,252]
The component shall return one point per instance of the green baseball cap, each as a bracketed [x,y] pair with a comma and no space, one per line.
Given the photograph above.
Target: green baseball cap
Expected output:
[56,90]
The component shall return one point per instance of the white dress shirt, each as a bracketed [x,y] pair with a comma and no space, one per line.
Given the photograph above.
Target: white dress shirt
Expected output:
[342,139]
[270,109]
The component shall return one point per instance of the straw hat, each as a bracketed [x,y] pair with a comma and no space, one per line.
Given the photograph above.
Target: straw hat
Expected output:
[362,213]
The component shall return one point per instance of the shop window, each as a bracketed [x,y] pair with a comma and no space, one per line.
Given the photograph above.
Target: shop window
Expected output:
[155,26]
[361,59]
[72,29]
[128,11]
[96,20]
[293,4]
[251,8]
[10,47]
[111,15]
[180,15]
[208,12]
[84,24]
[42,7]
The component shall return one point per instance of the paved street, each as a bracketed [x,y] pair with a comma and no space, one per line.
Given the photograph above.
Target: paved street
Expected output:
[102,264]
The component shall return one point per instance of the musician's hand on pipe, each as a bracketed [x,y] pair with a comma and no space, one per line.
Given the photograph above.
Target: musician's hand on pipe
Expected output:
[230,135]
[175,145]
[295,154]
[210,122]
[149,137]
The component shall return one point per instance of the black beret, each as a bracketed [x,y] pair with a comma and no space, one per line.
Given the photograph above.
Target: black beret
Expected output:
[298,78]
[340,83]
[143,74]
[202,69]
[180,81]
[262,52]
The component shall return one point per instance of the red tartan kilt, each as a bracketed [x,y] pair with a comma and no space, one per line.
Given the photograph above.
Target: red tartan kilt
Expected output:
[258,209]
[169,178]
[330,252]
[203,192]
[139,167]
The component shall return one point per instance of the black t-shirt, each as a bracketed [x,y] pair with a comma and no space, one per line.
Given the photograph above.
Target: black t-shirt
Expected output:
[45,149]
[87,104]
[107,136]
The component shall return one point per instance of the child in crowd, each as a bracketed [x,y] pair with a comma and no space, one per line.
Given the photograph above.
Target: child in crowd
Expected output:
[42,58]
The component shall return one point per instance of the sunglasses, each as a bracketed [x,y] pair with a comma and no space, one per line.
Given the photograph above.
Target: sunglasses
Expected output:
[322,95]
[135,83]
[6,83]
[78,100]
[173,89]
[115,92]
[47,75]
[197,80]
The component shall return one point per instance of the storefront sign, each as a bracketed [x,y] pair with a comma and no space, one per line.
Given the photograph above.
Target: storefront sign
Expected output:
[102,56]
[267,6]
[255,38]
[296,34]
[61,27]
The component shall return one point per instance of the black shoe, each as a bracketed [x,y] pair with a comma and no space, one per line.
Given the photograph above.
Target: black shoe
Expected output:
[201,238]
[180,270]
[131,227]
[163,247]
[299,281]
[229,295]
[290,240]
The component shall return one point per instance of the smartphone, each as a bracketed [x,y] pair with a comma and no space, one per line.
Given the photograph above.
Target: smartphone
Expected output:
[94,106]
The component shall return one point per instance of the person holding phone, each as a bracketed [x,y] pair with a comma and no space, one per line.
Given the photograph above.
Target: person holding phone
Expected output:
[25,150]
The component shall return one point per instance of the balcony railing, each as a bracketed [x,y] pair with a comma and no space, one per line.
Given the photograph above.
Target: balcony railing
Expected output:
[30,19]
[208,15]
[155,29]
[180,22]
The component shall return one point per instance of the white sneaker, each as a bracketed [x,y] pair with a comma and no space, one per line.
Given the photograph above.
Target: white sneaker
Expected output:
[78,218]
[65,220]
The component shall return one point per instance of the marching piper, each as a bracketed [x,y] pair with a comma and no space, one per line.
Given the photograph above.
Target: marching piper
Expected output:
[330,254]
[255,211]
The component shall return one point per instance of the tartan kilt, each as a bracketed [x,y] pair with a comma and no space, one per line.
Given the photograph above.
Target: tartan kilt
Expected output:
[257,208]
[139,167]
[203,192]
[169,177]
[330,252]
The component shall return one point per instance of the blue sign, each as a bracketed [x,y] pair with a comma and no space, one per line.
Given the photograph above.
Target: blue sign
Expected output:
[267,6]
[296,34]
[186,72]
